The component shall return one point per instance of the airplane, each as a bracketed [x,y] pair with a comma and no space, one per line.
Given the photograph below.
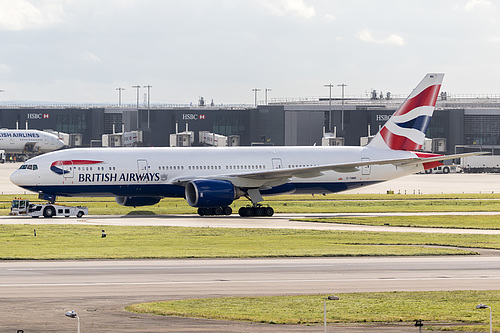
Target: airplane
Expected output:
[212,178]
[28,141]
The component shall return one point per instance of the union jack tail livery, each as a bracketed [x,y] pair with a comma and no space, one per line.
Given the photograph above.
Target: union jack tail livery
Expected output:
[405,130]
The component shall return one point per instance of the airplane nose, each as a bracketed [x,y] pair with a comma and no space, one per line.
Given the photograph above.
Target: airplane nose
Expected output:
[16,178]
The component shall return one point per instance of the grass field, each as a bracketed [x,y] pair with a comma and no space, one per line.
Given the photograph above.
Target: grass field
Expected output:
[433,221]
[455,308]
[126,242]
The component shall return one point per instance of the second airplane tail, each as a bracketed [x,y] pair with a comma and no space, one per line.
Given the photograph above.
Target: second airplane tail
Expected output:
[405,130]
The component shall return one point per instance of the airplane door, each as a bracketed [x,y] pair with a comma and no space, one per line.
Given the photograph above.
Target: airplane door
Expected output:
[366,170]
[142,166]
[68,169]
[277,163]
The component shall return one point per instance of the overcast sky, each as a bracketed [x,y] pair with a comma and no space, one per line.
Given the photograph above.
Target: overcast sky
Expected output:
[81,51]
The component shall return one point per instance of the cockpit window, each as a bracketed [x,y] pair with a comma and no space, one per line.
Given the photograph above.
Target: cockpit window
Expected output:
[29,166]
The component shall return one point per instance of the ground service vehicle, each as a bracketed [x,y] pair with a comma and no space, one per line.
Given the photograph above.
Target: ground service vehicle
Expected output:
[444,169]
[22,207]
[480,164]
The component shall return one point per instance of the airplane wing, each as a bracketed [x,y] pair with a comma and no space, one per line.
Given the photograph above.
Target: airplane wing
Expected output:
[267,177]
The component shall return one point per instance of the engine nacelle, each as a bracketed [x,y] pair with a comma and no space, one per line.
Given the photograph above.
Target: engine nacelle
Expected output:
[210,193]
[137,201]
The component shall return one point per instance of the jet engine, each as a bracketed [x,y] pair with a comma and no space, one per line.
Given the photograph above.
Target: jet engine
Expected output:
[211,193]
[137,201]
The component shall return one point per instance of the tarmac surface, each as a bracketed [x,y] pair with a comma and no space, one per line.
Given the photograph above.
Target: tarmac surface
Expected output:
[98,290]
[34,295]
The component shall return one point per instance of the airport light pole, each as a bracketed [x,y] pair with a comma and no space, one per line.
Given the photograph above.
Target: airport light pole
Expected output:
[484,306]
[255,90]
[149,99]
[330,106]
[266,90]
[120,89]
[329,298]
[73,314]
[343,85]
[138,87]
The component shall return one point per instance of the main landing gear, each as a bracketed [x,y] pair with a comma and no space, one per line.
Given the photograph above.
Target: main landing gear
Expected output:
[257,210]
[207,211]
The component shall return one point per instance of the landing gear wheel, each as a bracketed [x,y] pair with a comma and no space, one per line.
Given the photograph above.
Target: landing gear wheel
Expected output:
[247,211]
[259,211]
[242,211]
[256,211]
[48,212]
[269,211]
[205,211]
[79,214]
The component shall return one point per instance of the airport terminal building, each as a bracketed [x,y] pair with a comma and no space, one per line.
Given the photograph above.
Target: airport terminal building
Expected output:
[458,124]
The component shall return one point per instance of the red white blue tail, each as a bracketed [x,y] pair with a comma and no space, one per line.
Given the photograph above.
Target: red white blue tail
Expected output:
[405,130]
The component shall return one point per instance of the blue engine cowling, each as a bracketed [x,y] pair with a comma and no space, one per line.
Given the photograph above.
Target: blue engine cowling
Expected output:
[137,201]
[209,193]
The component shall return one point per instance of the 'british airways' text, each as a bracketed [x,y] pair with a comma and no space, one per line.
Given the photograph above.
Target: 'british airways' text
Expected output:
[114,177]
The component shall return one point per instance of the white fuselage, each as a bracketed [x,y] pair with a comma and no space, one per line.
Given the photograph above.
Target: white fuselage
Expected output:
[160,171]
[33,141]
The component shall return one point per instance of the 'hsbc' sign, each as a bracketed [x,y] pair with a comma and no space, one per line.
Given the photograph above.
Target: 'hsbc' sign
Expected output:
[193,116]
[383,117]
[37,116]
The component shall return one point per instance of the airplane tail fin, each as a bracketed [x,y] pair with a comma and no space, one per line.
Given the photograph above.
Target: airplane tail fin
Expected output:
[405,130]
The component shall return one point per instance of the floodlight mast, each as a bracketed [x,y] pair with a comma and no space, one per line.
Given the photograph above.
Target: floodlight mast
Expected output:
[255,90]
[343,85]
[330,124]
[149,100]
[329,298]
[484,306]
[120,89]
[73,314]
[267,90]
[138,87]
